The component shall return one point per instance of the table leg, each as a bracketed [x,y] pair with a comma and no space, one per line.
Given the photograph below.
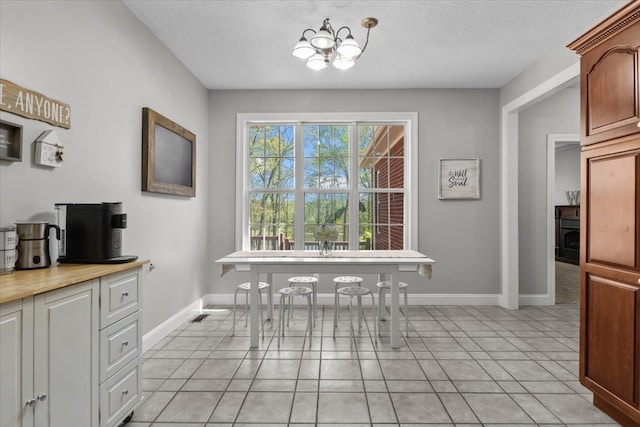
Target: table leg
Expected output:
[382,315]
[395,309]
[255,306]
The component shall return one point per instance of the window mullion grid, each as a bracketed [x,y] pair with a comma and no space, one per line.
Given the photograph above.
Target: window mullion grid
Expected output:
[354,186]
[298,225]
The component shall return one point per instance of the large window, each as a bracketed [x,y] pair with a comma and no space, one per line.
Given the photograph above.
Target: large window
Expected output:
[299,173]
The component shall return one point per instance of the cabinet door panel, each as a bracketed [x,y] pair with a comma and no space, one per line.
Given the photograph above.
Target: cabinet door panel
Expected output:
[66,356]
[611,336]
[612,183]
[610,87]
[11,406]
[613,96]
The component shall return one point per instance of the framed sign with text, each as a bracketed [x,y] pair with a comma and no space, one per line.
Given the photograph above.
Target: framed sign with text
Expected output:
[459,179]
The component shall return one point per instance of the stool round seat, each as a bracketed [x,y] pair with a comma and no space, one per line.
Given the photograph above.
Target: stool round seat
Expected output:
[387,285]
[286,297]
[382,287]
[344,280]
[303,279]
[341,281]
[307,280]
[357,292]
[354,291]
[246,288]
[295,291]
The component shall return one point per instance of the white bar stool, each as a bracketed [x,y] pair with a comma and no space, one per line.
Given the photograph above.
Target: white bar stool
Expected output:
[359,292]
[382,287]
[286,299]
[246,288]
[342,281]
[305,281]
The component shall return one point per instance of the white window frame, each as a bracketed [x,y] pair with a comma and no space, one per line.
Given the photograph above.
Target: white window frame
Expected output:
[408,119]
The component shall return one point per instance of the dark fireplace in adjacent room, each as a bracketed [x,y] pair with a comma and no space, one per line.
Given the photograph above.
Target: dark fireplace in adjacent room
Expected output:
[568,234]
[570,240]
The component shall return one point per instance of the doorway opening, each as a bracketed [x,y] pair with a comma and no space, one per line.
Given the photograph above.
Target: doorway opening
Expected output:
[563,221]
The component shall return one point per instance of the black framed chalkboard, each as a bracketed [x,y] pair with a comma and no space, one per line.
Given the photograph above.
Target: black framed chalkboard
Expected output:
[168,156]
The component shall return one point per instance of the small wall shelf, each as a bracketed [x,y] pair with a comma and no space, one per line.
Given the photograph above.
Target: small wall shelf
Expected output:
[10,141]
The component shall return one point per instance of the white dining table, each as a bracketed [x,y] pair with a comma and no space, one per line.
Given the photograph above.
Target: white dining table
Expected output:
[387,264]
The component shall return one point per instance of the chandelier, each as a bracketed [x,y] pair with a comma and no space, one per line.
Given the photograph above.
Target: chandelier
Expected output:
[326,46]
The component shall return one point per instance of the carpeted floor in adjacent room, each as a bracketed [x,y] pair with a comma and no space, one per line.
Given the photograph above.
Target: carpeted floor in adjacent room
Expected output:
[567,283]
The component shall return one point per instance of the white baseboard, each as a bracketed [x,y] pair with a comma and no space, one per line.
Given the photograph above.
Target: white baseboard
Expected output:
[414,299]
[535,299]
[154,336]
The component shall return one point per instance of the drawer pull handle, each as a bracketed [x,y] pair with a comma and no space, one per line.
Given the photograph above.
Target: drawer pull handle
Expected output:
[41,397]
[125,294]
[638,281]
[30,402]
[125,392]
[125,343]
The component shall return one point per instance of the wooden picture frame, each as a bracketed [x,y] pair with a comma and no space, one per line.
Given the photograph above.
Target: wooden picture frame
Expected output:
[10,141]
[459,179]
[168,156]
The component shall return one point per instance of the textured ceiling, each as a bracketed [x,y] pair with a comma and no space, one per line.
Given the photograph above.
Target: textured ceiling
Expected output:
[246,44]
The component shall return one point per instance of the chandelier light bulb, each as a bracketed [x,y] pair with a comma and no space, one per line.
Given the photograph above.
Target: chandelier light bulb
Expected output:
[316,62]
[303,49]
[349,48]
[323,40]
[343,63]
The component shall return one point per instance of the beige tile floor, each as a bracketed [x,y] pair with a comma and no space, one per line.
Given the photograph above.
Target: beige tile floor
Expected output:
[459,366]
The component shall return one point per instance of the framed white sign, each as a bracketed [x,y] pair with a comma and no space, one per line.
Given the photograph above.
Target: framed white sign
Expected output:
[459,179]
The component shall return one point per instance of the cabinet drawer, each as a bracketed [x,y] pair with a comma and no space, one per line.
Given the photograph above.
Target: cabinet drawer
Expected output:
[120,394]
[119,296]
[120,343]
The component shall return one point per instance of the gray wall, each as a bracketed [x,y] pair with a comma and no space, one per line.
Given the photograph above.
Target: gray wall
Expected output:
[98,58]
[567,176]
[558,114]
[462,236]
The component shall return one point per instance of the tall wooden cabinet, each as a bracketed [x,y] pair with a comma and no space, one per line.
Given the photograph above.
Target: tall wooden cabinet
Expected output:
[610,214]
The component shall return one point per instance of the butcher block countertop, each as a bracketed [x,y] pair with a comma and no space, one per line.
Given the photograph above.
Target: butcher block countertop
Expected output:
[25,283]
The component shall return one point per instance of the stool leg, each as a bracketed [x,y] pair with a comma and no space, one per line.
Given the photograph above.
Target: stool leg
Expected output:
[270,302]
[335,314]
[281,318]
[373,311]
[315,303]
[261,313]
[246,307]
[406,313]
[353,334]
[338,301]
[235,296]
[309,317]
[380,307]
[359,315]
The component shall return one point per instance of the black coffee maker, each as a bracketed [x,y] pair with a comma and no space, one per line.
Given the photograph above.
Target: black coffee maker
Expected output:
[91,233]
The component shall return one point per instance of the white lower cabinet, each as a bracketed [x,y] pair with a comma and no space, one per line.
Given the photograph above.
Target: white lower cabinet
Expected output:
[16,370]
[49,359]
[65,356]
[71,357]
